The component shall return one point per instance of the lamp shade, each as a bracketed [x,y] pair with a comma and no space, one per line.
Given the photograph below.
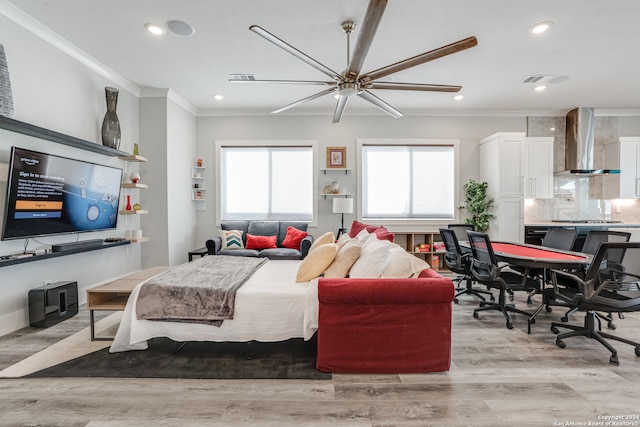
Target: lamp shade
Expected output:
[341,205]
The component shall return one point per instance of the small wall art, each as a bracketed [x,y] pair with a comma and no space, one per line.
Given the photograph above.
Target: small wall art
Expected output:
[336,157]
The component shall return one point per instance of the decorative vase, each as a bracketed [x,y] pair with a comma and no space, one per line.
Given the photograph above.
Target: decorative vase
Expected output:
[111,125]
[128,207]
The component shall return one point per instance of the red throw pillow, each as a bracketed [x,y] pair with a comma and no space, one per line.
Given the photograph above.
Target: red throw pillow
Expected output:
[384,234]
[260,242]
[356,227]
[293,238]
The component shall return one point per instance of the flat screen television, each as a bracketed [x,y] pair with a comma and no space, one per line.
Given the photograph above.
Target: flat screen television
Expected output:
[48,194]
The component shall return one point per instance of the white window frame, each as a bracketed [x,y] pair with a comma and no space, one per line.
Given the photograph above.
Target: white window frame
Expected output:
[266,143]
[399,224]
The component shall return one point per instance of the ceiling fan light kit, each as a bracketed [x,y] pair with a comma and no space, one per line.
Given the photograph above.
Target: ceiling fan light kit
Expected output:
[352,82]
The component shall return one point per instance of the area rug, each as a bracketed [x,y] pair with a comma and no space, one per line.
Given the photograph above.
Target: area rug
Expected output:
[292,359]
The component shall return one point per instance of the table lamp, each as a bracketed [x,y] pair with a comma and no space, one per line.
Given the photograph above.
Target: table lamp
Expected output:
[342,206]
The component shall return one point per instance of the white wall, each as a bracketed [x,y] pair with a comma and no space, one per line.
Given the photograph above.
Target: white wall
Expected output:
[55,91]
[468,130]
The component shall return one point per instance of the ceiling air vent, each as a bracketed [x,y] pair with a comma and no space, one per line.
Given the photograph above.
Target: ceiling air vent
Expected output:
[534,78]
[242,77]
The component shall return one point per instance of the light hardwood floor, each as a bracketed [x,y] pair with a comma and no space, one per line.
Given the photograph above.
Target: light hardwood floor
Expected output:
[499,377]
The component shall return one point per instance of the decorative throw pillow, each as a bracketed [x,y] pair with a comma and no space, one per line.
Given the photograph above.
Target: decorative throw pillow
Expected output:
[403,264]
[293,238]
[384,234]
[316,262]
[344,238]
[327,237]
[346,256]
[231,239]
[374,258]
[261,242]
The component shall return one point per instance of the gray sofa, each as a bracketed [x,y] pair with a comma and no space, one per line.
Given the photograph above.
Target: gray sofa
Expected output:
[262,228]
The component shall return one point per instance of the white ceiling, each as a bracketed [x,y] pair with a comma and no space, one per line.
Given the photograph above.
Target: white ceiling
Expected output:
[589,56]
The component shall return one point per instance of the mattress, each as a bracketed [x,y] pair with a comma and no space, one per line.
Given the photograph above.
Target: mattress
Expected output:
[270,306]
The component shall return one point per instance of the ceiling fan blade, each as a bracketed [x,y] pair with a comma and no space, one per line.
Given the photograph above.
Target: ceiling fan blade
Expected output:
[342,102]
[420,59]
[372,18]
[288,82]
[295,52]
[380,103]
[411,86]
[303,100]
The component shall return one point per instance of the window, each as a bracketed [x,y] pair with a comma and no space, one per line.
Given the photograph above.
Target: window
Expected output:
[266,183]
[408,181]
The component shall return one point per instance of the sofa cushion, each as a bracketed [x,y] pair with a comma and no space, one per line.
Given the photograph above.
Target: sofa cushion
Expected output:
[260,242]
[293,238]
[327,237]
[231,239]
[239,252]
[284,228]
[345,258]
[264,228]
[237,225]
[280,253]
[316,262]
[373,259]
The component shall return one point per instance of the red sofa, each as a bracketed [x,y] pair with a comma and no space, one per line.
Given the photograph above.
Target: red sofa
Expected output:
[385,325]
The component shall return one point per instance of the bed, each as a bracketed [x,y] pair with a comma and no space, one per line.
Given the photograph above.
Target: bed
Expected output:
[270,306]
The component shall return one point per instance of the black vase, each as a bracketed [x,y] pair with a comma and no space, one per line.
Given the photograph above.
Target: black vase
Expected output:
[111,125]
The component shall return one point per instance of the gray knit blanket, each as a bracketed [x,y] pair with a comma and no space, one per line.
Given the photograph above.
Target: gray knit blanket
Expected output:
[201,291]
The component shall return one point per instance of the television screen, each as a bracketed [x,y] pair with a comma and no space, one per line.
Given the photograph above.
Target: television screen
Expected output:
[48,194]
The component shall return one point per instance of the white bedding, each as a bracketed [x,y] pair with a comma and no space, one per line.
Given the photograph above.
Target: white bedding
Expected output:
[270,306]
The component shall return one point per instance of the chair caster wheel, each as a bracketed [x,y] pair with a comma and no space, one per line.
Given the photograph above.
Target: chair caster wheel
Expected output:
[555,330]
[509,325]
[560,343]
[455,300]
[611,326]
[475,315]
[529,301]
[638,351]
[564,319]
[614,360]
[510,297]
[548,309]
[492,298]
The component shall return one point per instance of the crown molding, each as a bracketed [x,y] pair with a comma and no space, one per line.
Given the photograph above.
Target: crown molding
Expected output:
[19,17]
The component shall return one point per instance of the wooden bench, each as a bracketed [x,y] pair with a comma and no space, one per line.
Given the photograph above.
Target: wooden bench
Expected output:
[113,296]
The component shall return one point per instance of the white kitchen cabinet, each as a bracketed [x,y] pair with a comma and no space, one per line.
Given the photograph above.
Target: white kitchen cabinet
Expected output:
[538,181]
[508,225]
[502,163]
[623,154]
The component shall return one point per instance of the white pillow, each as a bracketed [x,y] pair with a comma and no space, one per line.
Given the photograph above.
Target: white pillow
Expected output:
[346,256]
[316,262]
[403,264]
[344,238]
[374,258]
[231,239]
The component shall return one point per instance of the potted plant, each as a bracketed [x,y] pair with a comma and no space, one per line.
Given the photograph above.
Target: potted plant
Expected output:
[478,205]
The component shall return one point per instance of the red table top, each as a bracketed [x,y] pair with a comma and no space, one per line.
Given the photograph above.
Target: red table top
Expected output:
[525,251]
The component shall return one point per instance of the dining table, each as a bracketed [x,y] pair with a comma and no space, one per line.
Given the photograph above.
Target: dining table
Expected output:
[529,258]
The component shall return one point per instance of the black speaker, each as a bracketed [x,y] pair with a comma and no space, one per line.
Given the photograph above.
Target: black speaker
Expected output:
[52,303]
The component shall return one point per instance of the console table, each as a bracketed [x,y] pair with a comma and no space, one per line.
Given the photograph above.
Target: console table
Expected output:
[113,296]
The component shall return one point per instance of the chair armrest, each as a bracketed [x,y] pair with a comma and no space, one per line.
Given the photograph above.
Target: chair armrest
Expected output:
[305,244]
[213,245]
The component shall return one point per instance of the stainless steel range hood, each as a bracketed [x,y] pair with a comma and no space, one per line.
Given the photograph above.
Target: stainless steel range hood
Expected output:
[580,144]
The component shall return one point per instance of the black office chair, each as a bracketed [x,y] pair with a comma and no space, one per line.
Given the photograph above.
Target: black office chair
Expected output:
[591,244]
[612,284]
[460,263]
[461,230]
[485,269]
[560,238]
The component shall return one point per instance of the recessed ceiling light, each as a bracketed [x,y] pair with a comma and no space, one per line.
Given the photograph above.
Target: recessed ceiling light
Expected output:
[154,28]
[540,27]
[180,27]
[540,88]
[458,97]
[218,97]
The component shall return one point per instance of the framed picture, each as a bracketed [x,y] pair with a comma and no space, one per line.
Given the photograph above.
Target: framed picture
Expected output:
[336,157]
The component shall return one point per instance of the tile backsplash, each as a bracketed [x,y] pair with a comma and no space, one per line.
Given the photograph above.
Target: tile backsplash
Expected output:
[578,197]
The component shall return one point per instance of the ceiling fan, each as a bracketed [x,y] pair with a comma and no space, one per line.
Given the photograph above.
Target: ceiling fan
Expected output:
[351,82]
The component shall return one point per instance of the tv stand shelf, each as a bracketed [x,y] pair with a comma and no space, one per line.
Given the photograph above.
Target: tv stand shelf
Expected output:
[14,261]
